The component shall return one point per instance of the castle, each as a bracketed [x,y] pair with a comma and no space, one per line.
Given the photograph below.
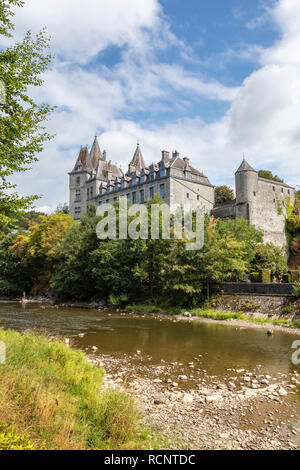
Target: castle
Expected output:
[94,180]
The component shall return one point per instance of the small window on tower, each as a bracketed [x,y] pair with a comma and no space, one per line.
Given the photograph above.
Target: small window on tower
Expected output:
[254,194]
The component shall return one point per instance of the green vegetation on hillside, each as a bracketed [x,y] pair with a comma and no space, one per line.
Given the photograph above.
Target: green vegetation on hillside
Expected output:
[66,259]
[267,174]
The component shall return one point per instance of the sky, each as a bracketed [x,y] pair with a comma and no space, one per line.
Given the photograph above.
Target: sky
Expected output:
[213,80]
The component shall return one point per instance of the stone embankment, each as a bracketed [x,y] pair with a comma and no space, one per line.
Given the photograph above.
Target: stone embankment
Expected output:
[273,307]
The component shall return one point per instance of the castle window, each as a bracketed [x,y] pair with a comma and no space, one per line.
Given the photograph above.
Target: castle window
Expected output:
[143,179]
[162,191]
[274,188]
[152,176]
[289,192]
[78,195]
[123,185]
[77,213]
[133,198]
[101,191]
[142,196]
[188,175]
[198,198]
[152,192]
[128,196]
[134,181]
[254,194]
[88,194]
[188,195]
[116,188]
[78,167]
[163,173]
[282,190]
[92,193]
[108,189]
[78,181]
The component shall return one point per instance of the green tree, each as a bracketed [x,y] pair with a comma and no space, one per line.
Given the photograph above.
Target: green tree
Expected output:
[189,275]
[62,209]
[267,174]
[242,231]
[223,194]
[14,276]
[22,129]
[269,256]
[36,249]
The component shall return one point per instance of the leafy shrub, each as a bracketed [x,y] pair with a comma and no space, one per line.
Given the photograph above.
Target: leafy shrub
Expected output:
[296,290]
[255,277]
[10,440]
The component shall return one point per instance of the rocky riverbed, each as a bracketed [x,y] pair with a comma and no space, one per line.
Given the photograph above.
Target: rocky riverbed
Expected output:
[244,410]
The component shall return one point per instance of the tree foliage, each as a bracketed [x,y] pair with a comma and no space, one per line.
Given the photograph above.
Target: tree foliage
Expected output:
[36,249]
[267,174]
[22,120]
[223,194]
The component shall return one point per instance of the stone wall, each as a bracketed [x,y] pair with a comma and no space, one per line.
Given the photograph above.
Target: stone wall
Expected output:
[266,306]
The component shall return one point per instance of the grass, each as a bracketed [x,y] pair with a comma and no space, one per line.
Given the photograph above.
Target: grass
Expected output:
[52,397]
[208,313]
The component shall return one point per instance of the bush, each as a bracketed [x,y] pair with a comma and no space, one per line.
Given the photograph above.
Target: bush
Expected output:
[287,278]
[255,277]
[296,290]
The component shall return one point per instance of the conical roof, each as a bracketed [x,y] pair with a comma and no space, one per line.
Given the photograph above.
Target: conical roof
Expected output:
[84,160]
[138,159]
[96,153]
[245,167]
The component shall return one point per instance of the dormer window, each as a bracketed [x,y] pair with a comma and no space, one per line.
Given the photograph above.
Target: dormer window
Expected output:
[108,189]
[163,173]
[79,167]
[188,175]
[134,181]
[152,176]
[116,188]
[123,185]
[143,179]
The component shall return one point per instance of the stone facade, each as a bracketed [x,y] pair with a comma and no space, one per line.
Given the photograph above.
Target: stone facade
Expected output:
[96,181]
[262,202]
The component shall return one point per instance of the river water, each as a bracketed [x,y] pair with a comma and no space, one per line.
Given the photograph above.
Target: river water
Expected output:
[221,346]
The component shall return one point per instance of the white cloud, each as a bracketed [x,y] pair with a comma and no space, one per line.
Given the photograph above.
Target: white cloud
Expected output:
[83,28]
[262,120]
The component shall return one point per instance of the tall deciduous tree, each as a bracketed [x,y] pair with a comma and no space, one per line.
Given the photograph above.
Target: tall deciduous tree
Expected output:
[22,120]
[223,194]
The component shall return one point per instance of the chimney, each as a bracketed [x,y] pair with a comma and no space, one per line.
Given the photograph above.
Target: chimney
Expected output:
[165,156]
[104,155]
[175,154]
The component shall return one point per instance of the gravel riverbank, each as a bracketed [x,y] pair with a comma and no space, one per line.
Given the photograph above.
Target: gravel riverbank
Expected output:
[247,410]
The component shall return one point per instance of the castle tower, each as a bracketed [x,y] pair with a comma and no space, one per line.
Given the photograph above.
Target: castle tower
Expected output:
[246,187]
[77,179]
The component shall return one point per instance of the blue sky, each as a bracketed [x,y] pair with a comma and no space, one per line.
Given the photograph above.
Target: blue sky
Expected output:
[210,79]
